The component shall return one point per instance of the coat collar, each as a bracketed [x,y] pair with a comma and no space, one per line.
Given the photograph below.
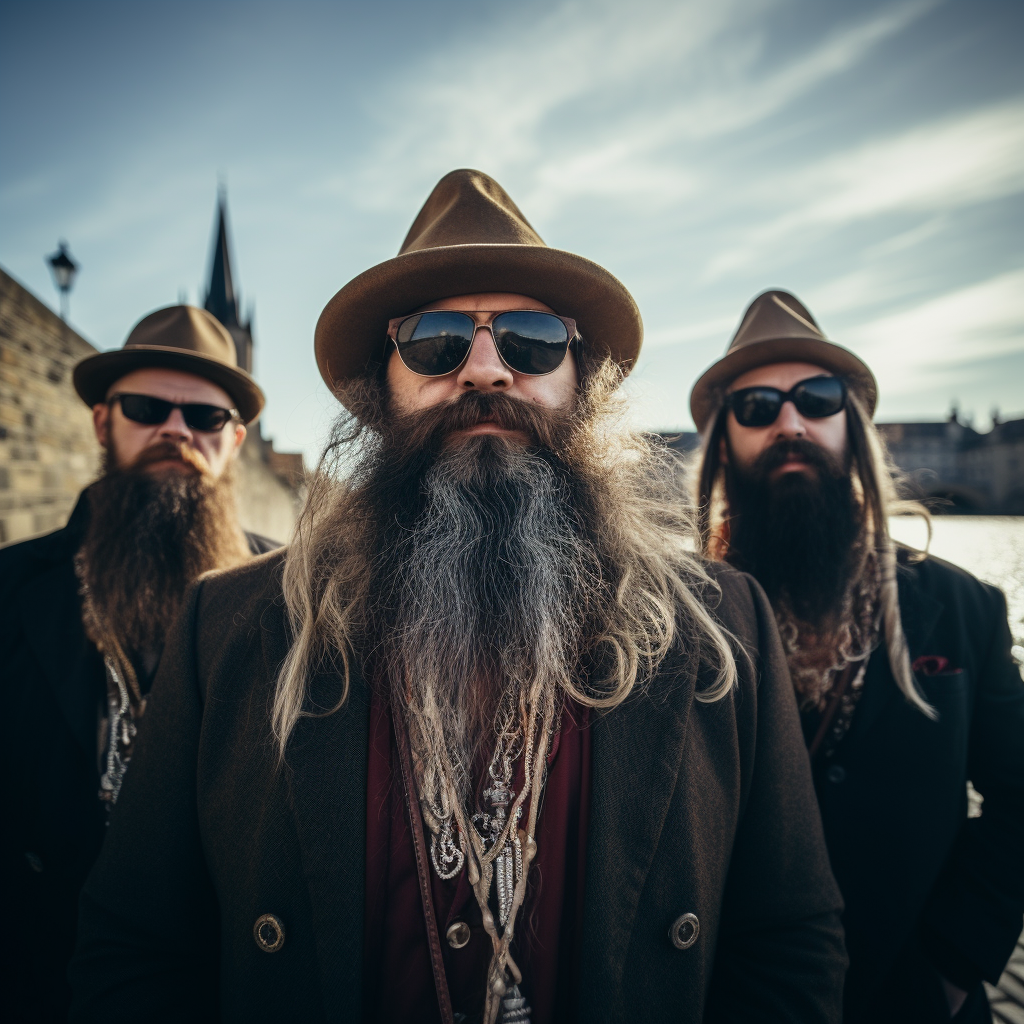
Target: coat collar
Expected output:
[326,766]
[637,748]
[919,612]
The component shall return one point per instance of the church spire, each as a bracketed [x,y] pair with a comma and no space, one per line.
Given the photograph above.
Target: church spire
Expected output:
[221,298]
[220,293]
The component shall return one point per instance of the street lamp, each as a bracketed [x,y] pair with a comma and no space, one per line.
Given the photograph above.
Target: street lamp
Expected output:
[64,269]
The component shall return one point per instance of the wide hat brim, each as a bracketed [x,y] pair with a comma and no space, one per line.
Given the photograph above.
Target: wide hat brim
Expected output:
[707,393]
[351,333]
[94,375]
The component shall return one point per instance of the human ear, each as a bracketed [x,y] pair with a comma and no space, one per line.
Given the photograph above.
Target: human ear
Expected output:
[240,433]
[101,422]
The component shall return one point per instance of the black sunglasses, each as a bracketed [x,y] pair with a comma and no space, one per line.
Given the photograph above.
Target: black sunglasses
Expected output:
[438,341]
[153,411]
[815,398]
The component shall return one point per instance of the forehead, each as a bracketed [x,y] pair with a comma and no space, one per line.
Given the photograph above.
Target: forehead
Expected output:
[173,386]
[777,375]
[489,301]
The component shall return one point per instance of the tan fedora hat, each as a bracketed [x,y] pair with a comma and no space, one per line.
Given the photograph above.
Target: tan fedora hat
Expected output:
[175,338]
[778,328]
[470,237]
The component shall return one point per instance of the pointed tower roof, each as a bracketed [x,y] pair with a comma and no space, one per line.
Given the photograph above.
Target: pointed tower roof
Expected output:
[221,300]
[221,297]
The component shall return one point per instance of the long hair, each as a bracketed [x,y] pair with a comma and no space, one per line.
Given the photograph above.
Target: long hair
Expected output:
[658,589]
[875,478]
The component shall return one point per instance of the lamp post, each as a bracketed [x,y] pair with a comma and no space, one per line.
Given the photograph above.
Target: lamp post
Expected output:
[64,269]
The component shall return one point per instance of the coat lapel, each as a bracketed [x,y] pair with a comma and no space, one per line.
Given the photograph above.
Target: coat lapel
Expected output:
[919,612]
[51,617]
[327,765]
[637,751]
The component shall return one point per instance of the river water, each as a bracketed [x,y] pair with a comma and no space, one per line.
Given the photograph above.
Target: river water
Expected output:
[991,547]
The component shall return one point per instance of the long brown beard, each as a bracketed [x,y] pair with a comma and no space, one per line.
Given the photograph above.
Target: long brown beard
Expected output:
[148,538]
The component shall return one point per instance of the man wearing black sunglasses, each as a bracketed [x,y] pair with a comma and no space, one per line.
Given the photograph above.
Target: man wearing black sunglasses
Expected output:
[901,665]
[84,613]
[483,744]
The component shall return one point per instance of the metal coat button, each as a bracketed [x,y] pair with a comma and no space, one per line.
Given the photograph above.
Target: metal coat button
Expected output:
[684,931]
[268,931]
[458,934]
[836,773]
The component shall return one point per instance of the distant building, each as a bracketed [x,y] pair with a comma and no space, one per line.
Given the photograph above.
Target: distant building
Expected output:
[956,467]
[48,451]
[967,470]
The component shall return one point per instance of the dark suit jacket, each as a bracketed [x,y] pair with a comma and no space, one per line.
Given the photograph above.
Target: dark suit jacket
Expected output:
[52,689]
[924,886]
[703,808]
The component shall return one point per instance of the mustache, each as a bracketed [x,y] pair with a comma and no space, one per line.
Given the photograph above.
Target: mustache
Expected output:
[427,429]
[783,451]
[170,451]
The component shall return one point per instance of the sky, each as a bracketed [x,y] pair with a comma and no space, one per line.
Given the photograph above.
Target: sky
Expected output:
[868,157]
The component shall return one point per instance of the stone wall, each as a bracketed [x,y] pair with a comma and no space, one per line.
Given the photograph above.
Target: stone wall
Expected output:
[48,451]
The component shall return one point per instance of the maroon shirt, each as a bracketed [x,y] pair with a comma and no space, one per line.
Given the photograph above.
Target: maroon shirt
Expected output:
[398,980]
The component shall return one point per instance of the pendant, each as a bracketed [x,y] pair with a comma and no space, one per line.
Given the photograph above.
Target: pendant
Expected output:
[513,1007]
[505,880]
[445,853]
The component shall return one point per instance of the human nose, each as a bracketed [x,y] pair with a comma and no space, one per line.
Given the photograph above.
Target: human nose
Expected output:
[175,427]
[483,369]
[789,422]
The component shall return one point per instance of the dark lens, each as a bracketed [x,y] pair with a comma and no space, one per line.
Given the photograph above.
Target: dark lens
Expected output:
[818,397]
[205,417]
[756,407]
[435,343]
[144,409]
[530,341]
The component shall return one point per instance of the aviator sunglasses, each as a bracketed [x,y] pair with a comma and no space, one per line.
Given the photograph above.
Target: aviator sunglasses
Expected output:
[154,411]
[815,398]
[438,341]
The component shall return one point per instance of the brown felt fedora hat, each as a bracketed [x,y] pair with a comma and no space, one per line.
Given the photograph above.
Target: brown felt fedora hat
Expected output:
[778,328]
[470,237]
[175,338]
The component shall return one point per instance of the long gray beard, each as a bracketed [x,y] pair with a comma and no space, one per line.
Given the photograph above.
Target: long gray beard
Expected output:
[487,593]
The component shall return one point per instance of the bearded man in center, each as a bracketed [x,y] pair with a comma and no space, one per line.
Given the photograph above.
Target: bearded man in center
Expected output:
[488,742]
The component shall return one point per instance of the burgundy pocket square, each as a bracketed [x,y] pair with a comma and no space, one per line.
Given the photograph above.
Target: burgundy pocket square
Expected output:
[933,665]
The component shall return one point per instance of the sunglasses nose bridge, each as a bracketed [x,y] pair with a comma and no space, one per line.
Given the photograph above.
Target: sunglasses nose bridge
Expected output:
[483,368]
[175,425]
[789,422]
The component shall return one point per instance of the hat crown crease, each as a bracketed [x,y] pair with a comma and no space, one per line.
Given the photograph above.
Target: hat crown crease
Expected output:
[770,317]
[468,208]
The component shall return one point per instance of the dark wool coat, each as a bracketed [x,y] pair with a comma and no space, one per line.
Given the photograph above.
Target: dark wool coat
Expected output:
[702,808]
[53,690]
[924,886]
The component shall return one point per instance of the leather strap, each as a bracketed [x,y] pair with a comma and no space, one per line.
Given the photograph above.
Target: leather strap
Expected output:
[838,689]
[412,805]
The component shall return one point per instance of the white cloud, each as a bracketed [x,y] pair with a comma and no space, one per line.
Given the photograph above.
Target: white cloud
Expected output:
[935,168]
[918,347]
[592,100]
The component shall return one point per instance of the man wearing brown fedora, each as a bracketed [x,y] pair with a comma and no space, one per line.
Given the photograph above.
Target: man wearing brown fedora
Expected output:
[901,665]
[84,613]
[487,742]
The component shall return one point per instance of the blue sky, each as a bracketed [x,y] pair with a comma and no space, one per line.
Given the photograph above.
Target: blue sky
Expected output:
[868,157]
